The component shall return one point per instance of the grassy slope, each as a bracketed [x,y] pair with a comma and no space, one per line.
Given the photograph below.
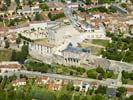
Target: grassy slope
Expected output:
[5,55]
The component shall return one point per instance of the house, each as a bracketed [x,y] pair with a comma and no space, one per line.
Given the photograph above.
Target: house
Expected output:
[9,66]
[85,86]
[38,24]
[55,5]
[94,85]
[12,8]
[2,42]
[77,83]
[65,82]
[24,10]
[111,91]
[42,80]
[54,84]
[27,10]
[74,5]
[44,16]
[19,82]
[129,92]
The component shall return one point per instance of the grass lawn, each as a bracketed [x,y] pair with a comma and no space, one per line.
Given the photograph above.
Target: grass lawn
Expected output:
[1,24]
[95,50]
[95,45]
[5,55]
[130,82]
[114,76]
[100,42]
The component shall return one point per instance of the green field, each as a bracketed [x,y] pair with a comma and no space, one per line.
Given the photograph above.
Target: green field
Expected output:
[100,42]
[5,55]
[129,81]
[95,50]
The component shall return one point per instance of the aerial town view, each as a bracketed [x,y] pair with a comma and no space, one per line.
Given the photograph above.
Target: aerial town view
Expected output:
[66,49]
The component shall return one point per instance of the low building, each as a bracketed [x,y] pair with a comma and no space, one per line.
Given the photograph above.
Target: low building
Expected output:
[9,66]
[35,34]
[74,5]
[85,86]
[38,25]
[27,10]
[54,84]
[94,85]
[19,82]
[55,6]
[42,80]
[77,83]
[111,92]
[129,92]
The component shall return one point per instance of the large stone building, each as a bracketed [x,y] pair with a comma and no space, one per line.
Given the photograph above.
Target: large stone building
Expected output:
[74,56]
[42,50]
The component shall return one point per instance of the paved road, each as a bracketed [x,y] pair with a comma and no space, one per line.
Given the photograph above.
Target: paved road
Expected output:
[106,82]
[34,74]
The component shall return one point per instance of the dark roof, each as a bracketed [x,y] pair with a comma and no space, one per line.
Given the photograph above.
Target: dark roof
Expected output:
[111,92]
[70,48]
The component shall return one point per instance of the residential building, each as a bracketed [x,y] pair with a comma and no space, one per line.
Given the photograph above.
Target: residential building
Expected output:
[55,5]
[54,84]
[111,91]
[42,80]
[129,92]
[77,84]
[19,82]
[85,86]
[27,10]
[9,66]
[94,85]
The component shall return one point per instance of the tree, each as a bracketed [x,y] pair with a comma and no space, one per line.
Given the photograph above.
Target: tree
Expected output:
[91,74]
[31,2]
[109,74]
[100,77]
[1,79]
[13,57]
[17,2]
[25,50]
[7,45]
[125,74]
[11,78]
[38,17]
[100,70]
[131,1]
[18,40]
[22,55]
[121,91]
[7,2]
[53,17]
[98,97]
[63,1]
[101,90]
[88,2]
[12,22]
[70,86]
[74,0]
[131,97]
[77,88]
[65,97]
[80,70]
[44,7]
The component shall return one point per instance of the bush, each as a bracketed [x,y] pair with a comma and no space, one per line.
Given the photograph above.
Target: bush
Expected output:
[100,70]
[92,74]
